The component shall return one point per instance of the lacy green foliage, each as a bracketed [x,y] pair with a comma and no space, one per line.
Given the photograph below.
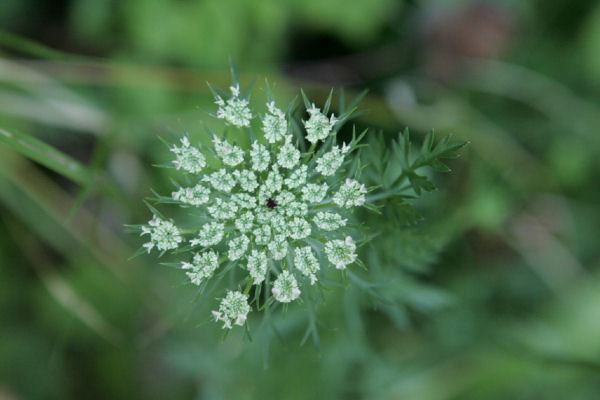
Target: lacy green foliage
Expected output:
[400,172]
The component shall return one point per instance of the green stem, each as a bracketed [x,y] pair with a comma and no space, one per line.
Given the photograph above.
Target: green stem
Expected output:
[248,287]
[311,149]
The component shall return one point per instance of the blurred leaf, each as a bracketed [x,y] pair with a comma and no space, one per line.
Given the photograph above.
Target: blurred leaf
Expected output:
[46,155]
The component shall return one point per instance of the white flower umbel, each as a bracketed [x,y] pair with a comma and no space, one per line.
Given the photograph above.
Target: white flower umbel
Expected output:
[164,235]
[306,262]
[329,221]
[318,127]
[235,110]
[313,193]
[233,309]
[237,247]
[341,252]
[193,196]
[288,156]
[275,125]
[189,158]
[202,266]
[264,208]
[230,155]
[260,157]
[351,194]
[257,266]
[285,289]
[209,235]
[329,163]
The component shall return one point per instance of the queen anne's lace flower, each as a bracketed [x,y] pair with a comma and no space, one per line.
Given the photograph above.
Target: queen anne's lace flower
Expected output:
[306,262]
[257,266]
[331,161]
[189,158]
[231,155]
[260,157]
[237,247]
[235,110]
[341,252]
[163,235]
[266,208]
[285,289]
[221,180]
[233,309]
[329,221]
[318,127]
[314,193]
[202,266]
[210,234]
[194,196]
[351,194]
[275,125]
[288,156]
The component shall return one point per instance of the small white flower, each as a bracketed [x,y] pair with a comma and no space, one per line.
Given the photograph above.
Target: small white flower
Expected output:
[296,209]
[341,252]
[229,154]
[288,156]
[235,111]
[209,235]
[260,157]
[257,266]
[194,196]
[298,228]
[306,262]
[221,180]
[314,193]
[223,210]
[233,309]
[202,266]
[278,223]
[329,163]
[275,125]
[244,200]
[329,221]
[245,222]
[273,182]
[278,247]
[262,235]
[297,177]
[246,179]
[351,194]
[284,198]
[318,127]
[164,235]
[237,247]
[285,288]
[189,158]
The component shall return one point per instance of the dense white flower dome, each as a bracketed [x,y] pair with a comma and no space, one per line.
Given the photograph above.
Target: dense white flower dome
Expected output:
[278,213]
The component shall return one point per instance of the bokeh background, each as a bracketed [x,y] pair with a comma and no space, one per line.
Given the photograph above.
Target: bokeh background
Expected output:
[496,278]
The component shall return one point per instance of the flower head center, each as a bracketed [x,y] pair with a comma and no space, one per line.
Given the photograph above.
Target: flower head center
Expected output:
[271,203]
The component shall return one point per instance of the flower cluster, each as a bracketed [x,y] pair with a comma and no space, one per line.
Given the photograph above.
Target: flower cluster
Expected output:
[273,211]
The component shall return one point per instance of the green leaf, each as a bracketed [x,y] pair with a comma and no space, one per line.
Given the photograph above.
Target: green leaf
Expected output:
[307,104]
[328,102]
[427,143]
[439,166]
[46,155]
[420,183]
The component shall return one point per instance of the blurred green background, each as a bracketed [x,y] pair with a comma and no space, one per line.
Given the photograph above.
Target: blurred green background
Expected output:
[496,289]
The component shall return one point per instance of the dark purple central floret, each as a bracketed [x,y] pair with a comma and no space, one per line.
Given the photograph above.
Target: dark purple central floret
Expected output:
[271,203]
